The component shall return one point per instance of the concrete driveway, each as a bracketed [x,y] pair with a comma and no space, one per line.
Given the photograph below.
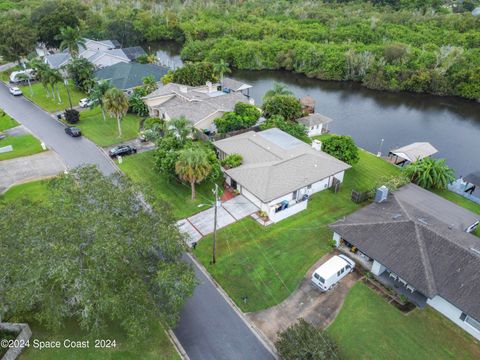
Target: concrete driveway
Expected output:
[307,302]
[202,224]
[28,168]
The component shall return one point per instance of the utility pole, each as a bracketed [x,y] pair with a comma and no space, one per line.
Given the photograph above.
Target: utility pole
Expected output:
[214,250]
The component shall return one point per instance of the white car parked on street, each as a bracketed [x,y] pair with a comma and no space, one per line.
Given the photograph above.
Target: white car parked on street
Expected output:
[332,271]
[15,91]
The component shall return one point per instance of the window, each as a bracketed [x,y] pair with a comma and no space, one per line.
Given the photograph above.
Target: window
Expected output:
[294,195]
[339,273]
[472,322]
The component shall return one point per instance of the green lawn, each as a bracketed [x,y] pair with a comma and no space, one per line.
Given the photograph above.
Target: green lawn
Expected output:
[23,145]
[266,264]
[49,103]
[368,327]
[5,75]
[34,190]
[141,169]
[6,122]
[104,132]
[158,346]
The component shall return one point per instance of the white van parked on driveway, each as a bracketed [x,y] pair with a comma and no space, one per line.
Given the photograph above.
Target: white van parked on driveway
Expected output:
[332,271]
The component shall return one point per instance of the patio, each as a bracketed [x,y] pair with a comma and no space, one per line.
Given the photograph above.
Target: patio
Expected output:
[414,297]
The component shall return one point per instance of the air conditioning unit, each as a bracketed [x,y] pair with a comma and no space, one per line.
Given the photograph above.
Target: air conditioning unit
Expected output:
[381,194]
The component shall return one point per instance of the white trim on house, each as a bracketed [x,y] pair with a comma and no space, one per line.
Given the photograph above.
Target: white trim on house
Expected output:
[454,314]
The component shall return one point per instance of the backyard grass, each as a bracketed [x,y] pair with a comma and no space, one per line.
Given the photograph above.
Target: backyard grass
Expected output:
[105,132]
[23,145]
[6,122]
[158,346]
[368,327]
[266,264]
[141,169]
[49,103]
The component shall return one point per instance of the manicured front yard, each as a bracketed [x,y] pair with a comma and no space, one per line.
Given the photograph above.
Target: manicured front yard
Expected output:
[23,145]
[104,132]
[266,264]
[34,190]
[367,327]
[44,99]
[6,122]
[141,169]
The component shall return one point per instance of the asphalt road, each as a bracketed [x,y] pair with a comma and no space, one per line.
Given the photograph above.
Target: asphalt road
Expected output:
[209,328]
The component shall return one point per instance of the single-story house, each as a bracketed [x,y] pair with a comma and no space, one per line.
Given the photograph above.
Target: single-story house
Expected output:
[411,153]
[315,123]
[201,105]
[99,53]
[421,243]
[127,76]
[279,172]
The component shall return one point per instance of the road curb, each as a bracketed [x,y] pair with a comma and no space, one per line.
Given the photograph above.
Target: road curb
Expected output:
[176,343]
[258,334]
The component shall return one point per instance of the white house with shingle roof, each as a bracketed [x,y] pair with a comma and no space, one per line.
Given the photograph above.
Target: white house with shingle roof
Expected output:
[201,105]
[279,172]
[315,123]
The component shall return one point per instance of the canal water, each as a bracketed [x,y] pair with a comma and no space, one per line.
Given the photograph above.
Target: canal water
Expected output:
[450,124]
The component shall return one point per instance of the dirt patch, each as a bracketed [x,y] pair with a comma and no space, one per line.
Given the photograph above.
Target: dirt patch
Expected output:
[307,302]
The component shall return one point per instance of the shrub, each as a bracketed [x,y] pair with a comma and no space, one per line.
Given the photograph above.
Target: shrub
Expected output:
[287,106]
[430,173]
[304,341]
[342,147]
[72,116]
[248,111]
[194,74]
[136,104]
[151,121]
[232,161]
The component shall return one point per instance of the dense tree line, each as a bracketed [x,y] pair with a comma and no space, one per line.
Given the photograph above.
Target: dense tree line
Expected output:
[400,45]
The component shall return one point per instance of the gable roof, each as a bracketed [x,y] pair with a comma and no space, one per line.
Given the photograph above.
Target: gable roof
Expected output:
[421,237]
[415,151]
[314,119]
[276,163]
[129,75]
[134,52]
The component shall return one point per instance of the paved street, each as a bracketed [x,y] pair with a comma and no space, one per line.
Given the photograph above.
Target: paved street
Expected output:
[209,328]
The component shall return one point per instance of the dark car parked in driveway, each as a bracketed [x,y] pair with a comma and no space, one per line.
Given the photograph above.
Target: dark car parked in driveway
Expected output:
[73,131]
[122,150]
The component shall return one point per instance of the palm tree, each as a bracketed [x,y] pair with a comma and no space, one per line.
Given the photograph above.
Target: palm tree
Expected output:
[192,166]
[97,94]
[53,78]
[41,72]
[26,77]
[180,127]
[278,89]
[116,104]
[71,39]
[430,173]
[149,84]
[221,68]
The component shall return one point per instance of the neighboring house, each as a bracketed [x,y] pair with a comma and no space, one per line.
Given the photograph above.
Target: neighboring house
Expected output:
[100,53]
[201,105]
[308,104]
[279,172]
[420,244]
[315,123]
[127,76]
[229,84]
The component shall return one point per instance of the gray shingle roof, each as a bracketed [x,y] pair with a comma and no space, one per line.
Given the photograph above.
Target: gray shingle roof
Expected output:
[275,163]
[314,119]
[473,178]
[235,85]
[129,75]
[415,151]
[420,236]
